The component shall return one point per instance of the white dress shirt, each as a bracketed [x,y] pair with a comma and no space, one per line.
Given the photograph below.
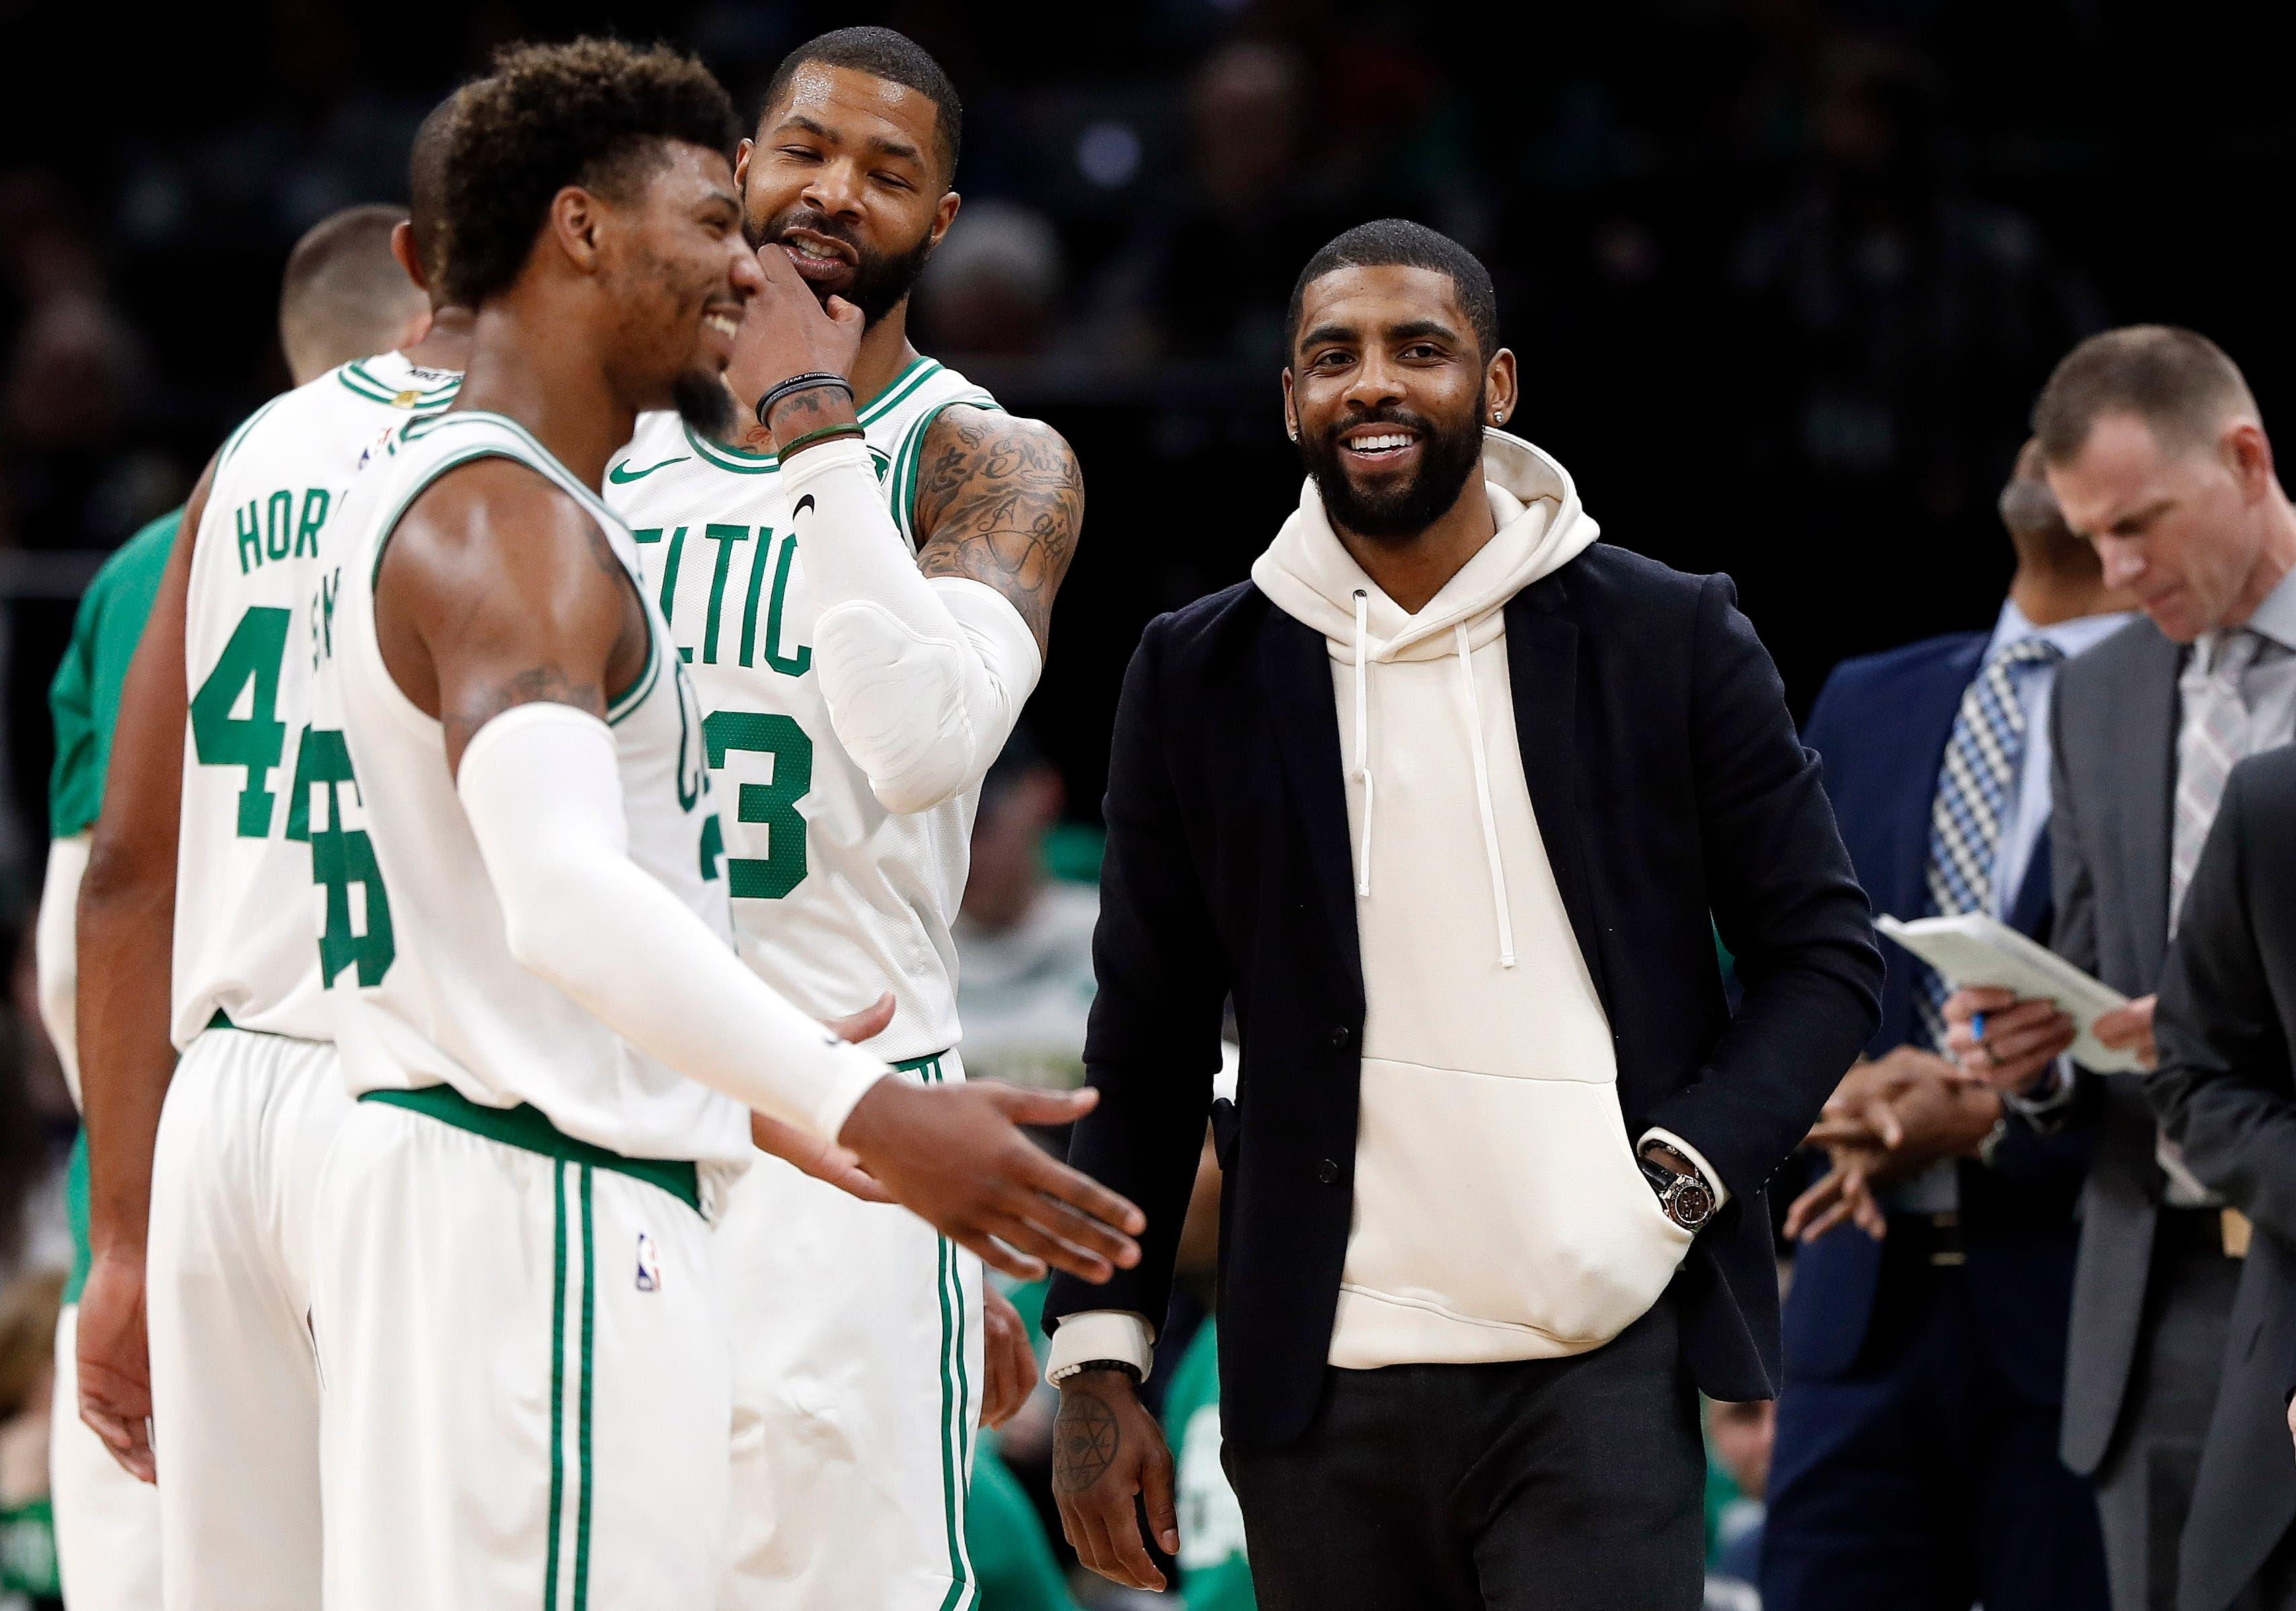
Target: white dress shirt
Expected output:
[2267,688]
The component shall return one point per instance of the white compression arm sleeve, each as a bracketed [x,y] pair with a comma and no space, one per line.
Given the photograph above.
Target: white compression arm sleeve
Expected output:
[544,797]
[56,952]
[923,679]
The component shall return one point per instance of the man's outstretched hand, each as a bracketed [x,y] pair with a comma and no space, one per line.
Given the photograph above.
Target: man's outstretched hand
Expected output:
[1110,1460]
[954,1155]
[115,1361]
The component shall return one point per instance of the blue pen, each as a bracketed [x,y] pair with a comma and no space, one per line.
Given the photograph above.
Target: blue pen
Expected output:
[1977,1026]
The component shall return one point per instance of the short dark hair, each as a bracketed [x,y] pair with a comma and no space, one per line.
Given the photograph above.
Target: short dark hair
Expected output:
[426,187]
[1399,243]
[2177,381]
[2027,506]
[344,296]
[592,113]
[881,53]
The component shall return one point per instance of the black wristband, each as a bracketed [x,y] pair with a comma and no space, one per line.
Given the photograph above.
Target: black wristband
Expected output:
[806,381]
[1077,1369]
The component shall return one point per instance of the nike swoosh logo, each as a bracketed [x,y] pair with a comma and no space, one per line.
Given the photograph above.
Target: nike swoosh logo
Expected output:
[621,476]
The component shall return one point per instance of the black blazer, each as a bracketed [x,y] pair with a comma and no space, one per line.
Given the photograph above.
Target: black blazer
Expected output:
[1669,785]
[1880,726]
[2227,1091]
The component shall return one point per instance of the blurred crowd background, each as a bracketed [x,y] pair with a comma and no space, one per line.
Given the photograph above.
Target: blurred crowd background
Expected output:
[1783,275]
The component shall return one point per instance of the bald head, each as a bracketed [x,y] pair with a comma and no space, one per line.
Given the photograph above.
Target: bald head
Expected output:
[344,295]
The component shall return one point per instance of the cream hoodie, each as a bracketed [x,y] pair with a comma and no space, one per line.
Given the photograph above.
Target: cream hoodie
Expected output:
[1499,1212]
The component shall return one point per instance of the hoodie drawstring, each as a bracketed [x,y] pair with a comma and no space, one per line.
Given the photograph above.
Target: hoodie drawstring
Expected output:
[1482,785]
[1363,740]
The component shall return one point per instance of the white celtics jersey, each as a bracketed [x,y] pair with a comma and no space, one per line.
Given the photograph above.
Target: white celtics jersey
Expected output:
[244,943]
[427,987]
[835,898]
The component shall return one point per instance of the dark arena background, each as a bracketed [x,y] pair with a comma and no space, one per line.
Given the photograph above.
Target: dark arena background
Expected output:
[1784,278]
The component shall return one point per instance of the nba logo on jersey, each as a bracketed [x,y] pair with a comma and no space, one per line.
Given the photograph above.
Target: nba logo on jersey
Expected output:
[649,1266]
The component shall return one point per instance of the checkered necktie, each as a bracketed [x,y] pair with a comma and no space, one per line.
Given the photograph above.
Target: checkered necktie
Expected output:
[2212,741]
[1976,794]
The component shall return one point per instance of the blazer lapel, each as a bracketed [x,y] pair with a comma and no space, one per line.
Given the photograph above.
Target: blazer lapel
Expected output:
[2147,708]
[1295,674]
[1542,643]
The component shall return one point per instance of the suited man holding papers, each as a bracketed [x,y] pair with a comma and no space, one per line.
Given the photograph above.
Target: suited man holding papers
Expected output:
[2156,452]
[1916,1457]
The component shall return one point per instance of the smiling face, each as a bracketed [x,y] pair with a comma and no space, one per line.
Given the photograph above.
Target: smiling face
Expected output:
[677,273]
[2182,529]
[846,176]
[1388,394]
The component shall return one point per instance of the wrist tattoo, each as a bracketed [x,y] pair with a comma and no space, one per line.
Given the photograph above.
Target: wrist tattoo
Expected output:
[1086,1438]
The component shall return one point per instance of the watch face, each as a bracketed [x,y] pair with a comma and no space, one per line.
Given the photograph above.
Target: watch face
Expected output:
[1692,1204]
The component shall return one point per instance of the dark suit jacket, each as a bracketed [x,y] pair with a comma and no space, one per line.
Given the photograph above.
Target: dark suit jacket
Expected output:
[2114,738]
[1667,784]
[2227,1091]
[1880,726]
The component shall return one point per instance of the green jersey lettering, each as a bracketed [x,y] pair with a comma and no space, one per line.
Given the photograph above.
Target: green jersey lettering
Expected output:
[220,736]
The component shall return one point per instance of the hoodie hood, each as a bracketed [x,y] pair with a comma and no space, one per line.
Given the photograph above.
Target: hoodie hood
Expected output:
[1542,527]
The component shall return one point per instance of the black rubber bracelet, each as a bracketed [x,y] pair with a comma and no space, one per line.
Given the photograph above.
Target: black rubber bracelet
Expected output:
[826,434]
[806,381]
[1126,1365]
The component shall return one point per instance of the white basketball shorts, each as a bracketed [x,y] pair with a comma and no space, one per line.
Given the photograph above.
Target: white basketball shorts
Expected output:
[527,1395]
[857,1396]
[244,1136]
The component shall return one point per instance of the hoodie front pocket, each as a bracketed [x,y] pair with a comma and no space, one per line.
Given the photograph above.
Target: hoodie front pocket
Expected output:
[1499,1204]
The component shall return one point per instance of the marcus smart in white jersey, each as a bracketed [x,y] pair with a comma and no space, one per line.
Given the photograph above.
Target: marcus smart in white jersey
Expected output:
[863,624]
[209,817]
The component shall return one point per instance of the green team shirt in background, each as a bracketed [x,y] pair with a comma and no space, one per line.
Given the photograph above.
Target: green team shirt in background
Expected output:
[1214,1574]
[84,700]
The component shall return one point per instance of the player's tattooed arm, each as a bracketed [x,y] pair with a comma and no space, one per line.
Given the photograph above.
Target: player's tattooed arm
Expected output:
[498,590]
[1000,500]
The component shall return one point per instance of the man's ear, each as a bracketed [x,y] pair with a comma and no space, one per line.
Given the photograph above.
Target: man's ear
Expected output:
[577,221]
[1499,384]
[1291,408]
[945,214]
[402,248]
[2248,453]
[742,164]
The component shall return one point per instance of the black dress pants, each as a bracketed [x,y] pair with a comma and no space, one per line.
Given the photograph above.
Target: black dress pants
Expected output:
[1572,1484]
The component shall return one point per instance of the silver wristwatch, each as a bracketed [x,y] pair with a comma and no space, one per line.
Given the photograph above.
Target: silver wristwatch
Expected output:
[1687,1199]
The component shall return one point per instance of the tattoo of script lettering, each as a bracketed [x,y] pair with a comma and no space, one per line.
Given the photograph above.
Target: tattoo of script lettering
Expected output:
[1086,1437]
[1000,500]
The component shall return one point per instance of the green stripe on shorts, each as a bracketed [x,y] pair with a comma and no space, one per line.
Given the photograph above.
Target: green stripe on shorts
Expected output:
[557,1594]
[956,1393]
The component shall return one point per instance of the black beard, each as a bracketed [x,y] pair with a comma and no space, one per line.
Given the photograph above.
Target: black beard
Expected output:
[879,282]
[1448,457]
[702,402]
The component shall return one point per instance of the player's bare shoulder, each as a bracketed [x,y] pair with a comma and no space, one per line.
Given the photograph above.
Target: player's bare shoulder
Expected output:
[498,588]
[1000,499]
